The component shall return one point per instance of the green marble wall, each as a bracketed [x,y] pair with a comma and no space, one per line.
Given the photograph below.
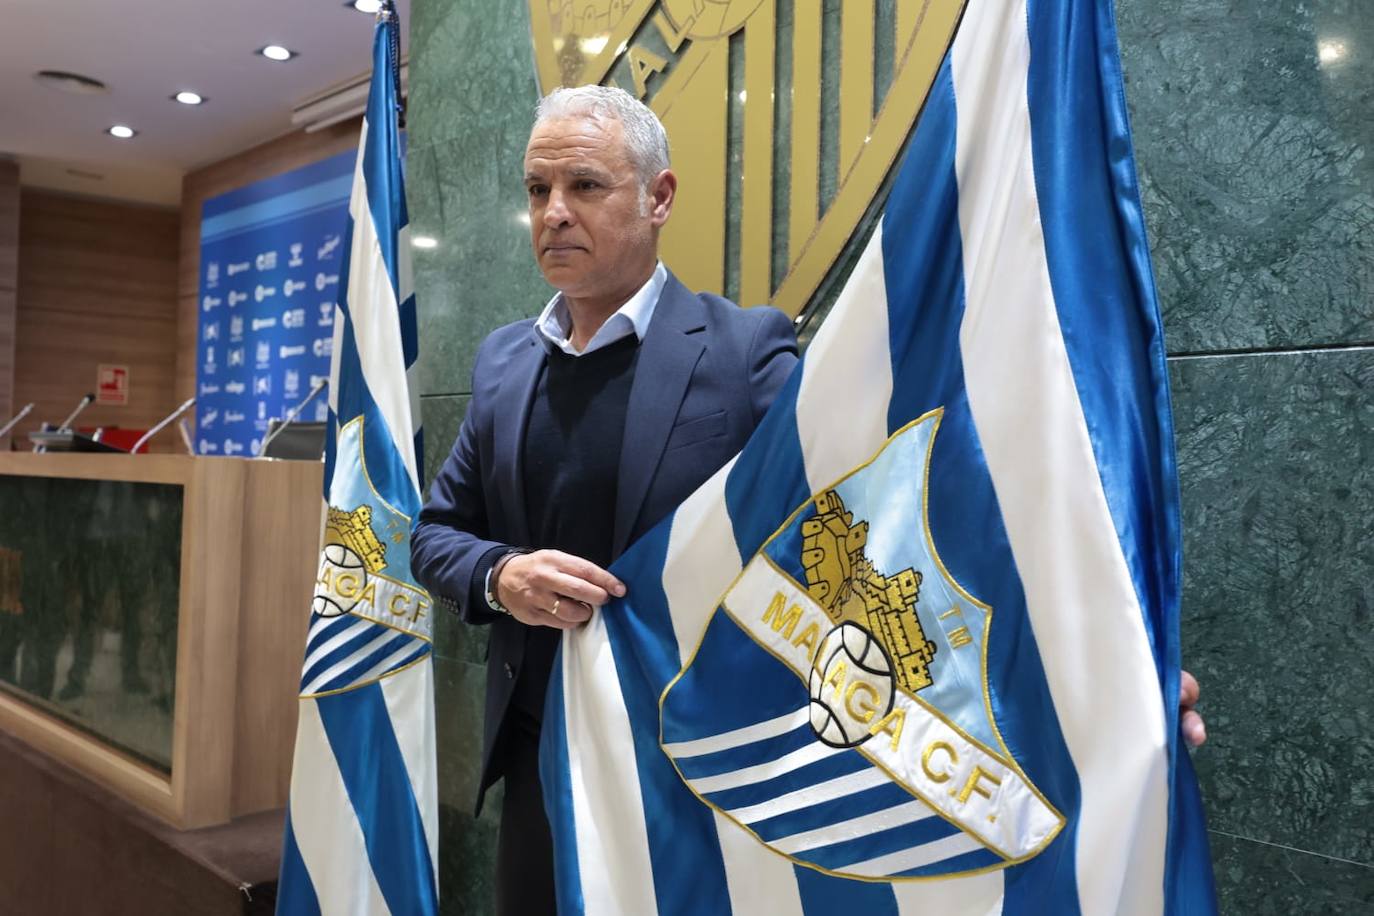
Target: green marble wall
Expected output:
[89,582]
[1254,126]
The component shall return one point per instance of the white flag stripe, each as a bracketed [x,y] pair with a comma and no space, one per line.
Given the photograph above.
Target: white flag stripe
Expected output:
[608,810]
[391,661]
[759,880]
[896,862]
[409,697]
[338,639]
[340,325]
[376,323]
[848,374]
[749,734]
[750,775]
[1082,605]
[821,792]
[317,795]
[855,827]
[701,561]
[343,665]
[975,895]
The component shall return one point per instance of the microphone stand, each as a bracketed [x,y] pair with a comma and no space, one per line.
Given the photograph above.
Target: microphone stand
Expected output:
[291,416]
[14,421]
[66,425]
[160,426]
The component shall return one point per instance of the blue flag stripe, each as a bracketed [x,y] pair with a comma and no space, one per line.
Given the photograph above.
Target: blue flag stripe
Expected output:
[295,893]
[374,773]
[823,895]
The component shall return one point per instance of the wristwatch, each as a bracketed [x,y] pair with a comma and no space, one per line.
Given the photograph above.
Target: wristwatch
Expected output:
[493,574]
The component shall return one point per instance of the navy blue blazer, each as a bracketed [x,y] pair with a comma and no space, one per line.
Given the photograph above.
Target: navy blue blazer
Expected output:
[707,372]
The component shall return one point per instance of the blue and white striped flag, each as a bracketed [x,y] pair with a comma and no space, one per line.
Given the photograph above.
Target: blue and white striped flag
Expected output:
[915,650]
[362,827]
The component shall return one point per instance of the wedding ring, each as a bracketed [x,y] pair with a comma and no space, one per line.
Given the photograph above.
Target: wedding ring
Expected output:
[554,610]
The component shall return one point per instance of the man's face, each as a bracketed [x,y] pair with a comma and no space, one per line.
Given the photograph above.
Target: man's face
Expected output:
[595,235]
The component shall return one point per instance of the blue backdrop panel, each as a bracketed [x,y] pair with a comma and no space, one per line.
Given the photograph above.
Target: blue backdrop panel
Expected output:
[269,280]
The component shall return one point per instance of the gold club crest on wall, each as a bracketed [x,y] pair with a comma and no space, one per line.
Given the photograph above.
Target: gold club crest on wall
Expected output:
[784,118]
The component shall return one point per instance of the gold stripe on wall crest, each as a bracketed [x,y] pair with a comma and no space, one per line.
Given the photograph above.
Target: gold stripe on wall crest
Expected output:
[784,118]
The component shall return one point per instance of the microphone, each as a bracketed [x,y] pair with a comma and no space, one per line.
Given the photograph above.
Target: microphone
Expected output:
[14,421]
[161,425]
[67,423]
[291,416]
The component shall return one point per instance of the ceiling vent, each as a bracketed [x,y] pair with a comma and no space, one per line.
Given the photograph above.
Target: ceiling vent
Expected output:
[74,83]
[340,102]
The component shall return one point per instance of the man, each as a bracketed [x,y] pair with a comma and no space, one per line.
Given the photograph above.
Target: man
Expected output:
[586,427]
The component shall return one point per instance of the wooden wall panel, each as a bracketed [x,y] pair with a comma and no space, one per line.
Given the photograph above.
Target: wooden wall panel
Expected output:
[9,269]
[272,158]
[97,284]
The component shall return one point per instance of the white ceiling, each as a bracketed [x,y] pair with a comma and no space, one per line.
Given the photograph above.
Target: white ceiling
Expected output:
[147,50]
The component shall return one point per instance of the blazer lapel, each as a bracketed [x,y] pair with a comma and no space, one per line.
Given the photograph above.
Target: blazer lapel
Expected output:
[514,398]
[668,354]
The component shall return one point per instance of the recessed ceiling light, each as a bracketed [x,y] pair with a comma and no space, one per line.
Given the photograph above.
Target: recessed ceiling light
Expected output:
[189,98]
[365,6]
[122,132]
[276,52]
[423,241]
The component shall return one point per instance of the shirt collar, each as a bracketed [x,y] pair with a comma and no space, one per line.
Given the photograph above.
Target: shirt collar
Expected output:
[554,324]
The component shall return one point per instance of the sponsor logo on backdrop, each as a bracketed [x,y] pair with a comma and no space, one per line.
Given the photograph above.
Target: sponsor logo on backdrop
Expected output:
[207,447]
[210,302]
[236,327]
[322,346]
[208,419]
[212,275]
[262,292]
[234,416]
[266,261]
[291,383]
[236,297]
[287,352]
[211,331]
[326,315]
[262,384]
[327,250]
[210,360]
[293,318]
[293,286]
[296,260]
[235,387]
[322,280]
[321,411]
[208,390]
[239,267]
[254,445]
[236,356]
[260,323]
[232,447]
[263,356]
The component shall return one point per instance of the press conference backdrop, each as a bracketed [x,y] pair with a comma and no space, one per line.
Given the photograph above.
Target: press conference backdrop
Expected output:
[269,255]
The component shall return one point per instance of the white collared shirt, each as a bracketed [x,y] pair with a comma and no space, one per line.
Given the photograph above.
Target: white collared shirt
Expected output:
[555,323]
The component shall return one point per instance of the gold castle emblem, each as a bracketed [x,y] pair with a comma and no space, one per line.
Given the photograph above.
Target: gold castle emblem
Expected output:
[354,531]
[784,119]
[847,586]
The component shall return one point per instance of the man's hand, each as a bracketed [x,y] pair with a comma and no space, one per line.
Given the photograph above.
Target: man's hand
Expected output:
[1194,729]
[532,585]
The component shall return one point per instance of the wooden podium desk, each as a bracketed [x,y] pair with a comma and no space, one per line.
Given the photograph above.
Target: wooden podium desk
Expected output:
[153,611]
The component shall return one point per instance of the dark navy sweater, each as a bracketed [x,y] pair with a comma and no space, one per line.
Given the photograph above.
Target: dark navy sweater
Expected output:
[571,462]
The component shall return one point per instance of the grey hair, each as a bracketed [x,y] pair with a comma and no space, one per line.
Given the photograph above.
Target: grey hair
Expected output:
[645,137]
